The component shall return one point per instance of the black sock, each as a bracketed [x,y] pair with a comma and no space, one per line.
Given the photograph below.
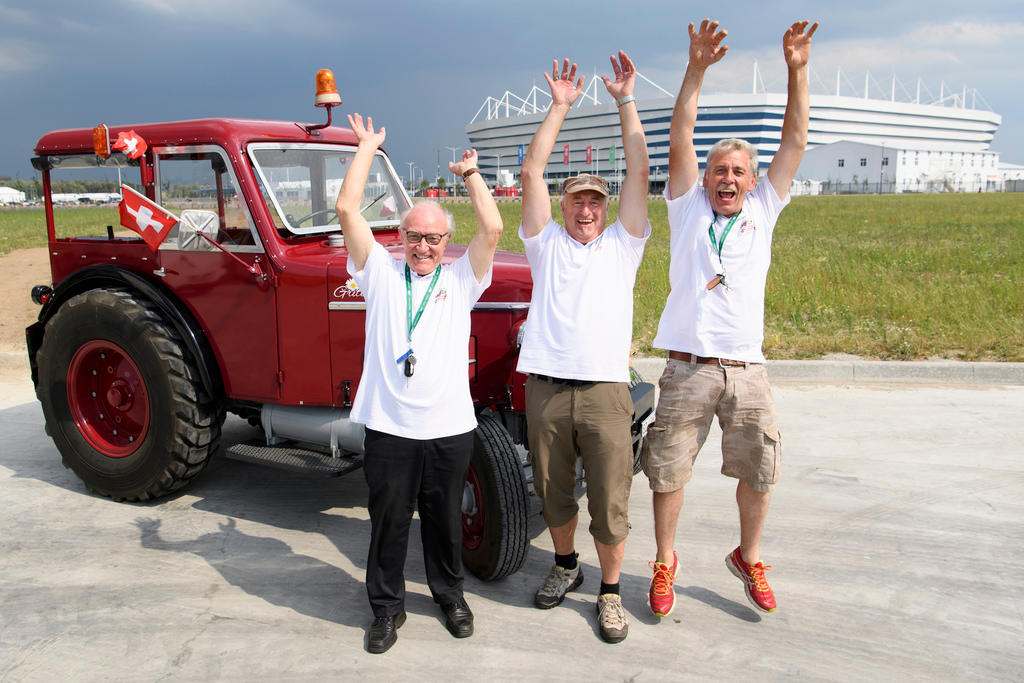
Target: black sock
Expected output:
[566,561]
[609,588]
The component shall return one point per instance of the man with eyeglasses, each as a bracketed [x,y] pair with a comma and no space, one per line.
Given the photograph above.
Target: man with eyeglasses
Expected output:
[413,395]
[713,322]
[577,343]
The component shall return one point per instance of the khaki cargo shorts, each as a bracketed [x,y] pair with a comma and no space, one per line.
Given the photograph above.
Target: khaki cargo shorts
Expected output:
[691,395]
[594,420]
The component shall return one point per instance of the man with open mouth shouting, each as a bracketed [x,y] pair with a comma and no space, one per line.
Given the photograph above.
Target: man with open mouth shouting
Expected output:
[713,322]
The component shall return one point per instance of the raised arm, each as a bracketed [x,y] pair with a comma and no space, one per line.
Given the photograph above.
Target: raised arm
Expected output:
[705,49]
[358,236]
[633,195]
[796,46]
[536,200]
[488,219]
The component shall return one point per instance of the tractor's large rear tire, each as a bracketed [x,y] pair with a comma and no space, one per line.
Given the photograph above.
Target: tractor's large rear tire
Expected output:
[122,400]
[494,508]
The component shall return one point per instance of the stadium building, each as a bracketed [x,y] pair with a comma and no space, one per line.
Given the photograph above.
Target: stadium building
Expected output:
[939,134]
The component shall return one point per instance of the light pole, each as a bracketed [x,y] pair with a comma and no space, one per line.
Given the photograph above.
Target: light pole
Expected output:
[497,175]
[881,170]
[411,164]
[454,180]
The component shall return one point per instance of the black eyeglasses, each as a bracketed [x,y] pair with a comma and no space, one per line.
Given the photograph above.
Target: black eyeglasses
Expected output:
[432,238]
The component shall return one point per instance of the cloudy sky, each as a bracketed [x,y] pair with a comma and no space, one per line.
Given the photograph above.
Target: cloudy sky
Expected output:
[424,68]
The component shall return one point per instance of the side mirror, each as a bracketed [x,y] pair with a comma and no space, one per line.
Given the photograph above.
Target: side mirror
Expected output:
[193,223]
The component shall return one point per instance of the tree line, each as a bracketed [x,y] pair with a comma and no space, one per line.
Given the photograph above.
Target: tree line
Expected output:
[33,189]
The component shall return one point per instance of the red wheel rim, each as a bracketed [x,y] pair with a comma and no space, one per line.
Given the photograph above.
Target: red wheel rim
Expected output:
[108,398]
[472,519]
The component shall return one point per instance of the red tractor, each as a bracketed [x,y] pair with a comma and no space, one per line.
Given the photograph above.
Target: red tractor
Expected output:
[246,307]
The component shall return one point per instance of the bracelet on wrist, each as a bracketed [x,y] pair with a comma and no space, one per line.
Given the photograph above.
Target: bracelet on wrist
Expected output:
[468,172]
[625,100]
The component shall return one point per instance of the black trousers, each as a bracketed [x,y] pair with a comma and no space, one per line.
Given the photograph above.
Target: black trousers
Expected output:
[404,474]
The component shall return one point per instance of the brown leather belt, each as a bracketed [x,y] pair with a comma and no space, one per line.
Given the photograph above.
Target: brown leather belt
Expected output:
[689,357]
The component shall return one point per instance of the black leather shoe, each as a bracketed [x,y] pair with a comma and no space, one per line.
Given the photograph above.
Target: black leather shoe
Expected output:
[384,633]
[458,619]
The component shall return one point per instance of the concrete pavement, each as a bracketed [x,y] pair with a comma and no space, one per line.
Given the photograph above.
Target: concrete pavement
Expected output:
[893,535]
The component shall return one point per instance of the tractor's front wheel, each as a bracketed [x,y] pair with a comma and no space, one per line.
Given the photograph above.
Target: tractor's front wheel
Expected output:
[122,401]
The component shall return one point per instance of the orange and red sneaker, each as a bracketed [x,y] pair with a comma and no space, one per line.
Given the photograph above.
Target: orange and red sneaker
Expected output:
[758,591]
[662,596]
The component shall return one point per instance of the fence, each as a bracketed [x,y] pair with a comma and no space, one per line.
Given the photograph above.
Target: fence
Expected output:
[812,187]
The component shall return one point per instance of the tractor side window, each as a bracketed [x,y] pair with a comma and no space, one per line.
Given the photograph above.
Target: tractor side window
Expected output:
[197,185]
[85,190]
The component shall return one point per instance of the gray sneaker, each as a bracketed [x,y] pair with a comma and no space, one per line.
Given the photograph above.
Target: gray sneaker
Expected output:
[611,617]
[559,582]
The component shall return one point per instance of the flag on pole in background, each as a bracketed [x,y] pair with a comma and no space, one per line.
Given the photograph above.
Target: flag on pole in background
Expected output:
[565,155]
[520,155]
[611,155]
[145,217]
[589,155]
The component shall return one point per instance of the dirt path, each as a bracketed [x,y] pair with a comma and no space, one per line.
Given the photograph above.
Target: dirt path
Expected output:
[19,271]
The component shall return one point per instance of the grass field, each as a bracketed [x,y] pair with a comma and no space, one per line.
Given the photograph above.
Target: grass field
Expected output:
[891,277]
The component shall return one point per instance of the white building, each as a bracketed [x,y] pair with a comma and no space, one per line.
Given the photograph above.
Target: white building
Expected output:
[1011,171]
[8,195]
[85,197]
[847,166]
[502,129]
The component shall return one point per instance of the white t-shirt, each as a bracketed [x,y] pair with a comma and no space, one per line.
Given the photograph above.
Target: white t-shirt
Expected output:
[434,402]
[580,324]
[719,323]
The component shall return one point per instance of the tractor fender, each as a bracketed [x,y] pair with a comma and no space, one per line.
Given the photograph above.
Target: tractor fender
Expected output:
[94,277]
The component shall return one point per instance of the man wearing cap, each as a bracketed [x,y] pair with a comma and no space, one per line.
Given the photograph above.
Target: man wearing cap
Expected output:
[577,343]
[413,395]
[713,322]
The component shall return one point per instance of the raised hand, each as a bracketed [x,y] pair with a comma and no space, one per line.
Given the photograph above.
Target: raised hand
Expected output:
[706,44]
[563,91]
[365,133]
[467,162]
[796,44]
[625,76]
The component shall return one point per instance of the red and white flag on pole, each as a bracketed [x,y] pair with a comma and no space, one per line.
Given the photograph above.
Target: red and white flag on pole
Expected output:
[131,143]
[145,217]
[565,154]
[589,155]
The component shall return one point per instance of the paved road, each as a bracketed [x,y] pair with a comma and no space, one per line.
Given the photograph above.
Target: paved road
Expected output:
[893,534]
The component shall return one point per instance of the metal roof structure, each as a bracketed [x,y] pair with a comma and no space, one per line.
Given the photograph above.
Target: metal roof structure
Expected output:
[502,127]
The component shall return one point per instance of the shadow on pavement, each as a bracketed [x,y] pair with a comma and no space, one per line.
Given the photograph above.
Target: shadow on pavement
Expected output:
[268,569]
[713,599]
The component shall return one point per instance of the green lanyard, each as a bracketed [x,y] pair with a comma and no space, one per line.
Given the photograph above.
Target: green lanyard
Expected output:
[412,322]
[717,246]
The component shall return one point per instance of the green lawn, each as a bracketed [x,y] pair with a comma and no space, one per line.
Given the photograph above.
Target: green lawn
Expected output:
[892,277]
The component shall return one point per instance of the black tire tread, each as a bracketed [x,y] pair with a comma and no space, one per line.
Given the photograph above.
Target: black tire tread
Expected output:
[512,496]
[196,422]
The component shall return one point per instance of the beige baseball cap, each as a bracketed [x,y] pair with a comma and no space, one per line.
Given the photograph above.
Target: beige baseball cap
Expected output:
[584,181]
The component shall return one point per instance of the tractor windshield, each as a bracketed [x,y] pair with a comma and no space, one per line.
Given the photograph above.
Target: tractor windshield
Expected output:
[300,184]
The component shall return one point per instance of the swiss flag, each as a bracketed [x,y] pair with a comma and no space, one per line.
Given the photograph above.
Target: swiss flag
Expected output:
[565,154]
[145,217]
[131,143]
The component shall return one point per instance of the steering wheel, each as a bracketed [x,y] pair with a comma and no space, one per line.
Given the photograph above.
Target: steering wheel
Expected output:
[321,212]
